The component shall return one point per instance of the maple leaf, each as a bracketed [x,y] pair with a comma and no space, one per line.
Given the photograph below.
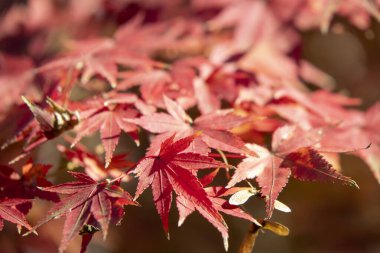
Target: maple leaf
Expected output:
[269,175]
[96,57]
[344,131]
[9,212]
[213,128]
[323,107]
[110,118]
[86,199]
[359,136]
[291,153]
[152,83]
[215,193]
[94,168]
[216,84]
[172,170]
[167,40]
[243,56]
[15,80]
[25,185]
[307,165]
[174,80]
[317,13]
[243,16]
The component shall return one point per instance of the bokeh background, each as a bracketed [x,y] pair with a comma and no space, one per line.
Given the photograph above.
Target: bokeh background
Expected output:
[325,218]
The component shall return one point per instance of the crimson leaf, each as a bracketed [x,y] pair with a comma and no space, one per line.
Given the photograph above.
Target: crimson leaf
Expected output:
[173,170]
[86,199]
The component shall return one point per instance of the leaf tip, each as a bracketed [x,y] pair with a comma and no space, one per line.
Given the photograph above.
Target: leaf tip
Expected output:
[28,103]
[105,233]
[354,184]
[181,221]
[225,243]
[31,231]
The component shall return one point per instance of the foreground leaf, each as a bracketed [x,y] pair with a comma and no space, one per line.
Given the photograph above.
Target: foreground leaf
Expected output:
[172,170]
[292,153]
[88,202]
[9,212]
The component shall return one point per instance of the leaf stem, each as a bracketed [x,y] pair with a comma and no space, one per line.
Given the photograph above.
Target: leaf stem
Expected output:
[226,156]
[249,240]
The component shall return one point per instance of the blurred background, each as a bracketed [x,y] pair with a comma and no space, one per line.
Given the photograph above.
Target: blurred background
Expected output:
[325,218]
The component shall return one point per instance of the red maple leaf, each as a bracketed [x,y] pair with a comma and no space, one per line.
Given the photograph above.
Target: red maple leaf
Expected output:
[215,193]
[343,130]
[96,57]
[360,137]
[15,79]
[153,83]
[173,170]
[213,128]
[93,167]
[291,153]
[25,185]
[9,212]
[110,117]
[88,203]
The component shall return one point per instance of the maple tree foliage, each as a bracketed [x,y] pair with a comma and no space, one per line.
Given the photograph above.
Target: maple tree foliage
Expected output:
[88,204]
[292,153]
[9,212]
[192,84]
[172,170]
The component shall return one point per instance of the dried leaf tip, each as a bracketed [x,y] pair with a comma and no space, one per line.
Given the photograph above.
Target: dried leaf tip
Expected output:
[225,243]
[181,221]
[27,102]
[33,231]
[353,183]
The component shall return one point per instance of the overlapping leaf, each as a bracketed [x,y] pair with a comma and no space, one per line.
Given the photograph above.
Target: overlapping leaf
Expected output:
[109,117]
[88,203]
[25,185]
[291,153]
[215,193]
[172,169]
[9,212]
[79,156]
[213,128]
